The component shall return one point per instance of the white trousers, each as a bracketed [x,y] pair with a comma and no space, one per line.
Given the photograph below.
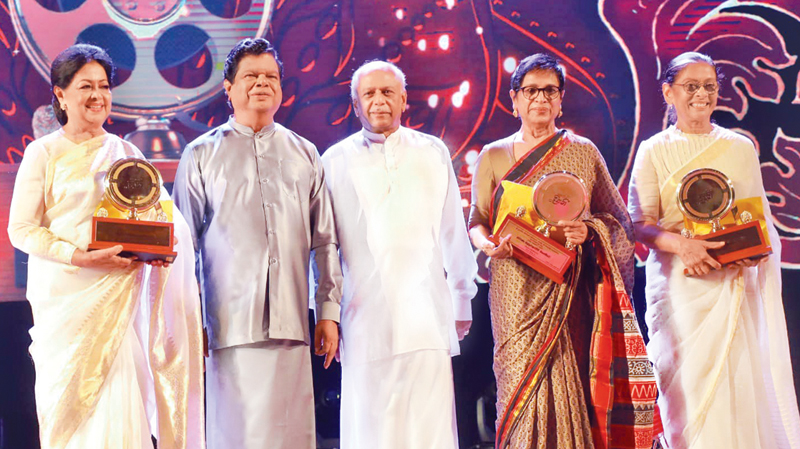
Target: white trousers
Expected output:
[405,402]
[260,396]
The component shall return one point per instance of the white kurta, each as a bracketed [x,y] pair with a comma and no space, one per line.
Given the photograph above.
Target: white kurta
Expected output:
[407,261]
[718,342]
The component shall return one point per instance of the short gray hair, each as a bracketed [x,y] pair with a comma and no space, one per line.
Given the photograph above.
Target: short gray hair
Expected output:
[371,66]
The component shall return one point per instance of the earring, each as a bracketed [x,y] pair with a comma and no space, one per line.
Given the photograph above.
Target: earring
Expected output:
[63,106]
[515,113]
[560,113]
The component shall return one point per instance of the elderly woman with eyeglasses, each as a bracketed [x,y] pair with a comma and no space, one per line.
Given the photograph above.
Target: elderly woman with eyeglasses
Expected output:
[718,337]
[563,352]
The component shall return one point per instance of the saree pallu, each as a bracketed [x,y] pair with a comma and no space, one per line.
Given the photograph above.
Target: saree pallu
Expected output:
[572,375]
[718,342]
[118,353]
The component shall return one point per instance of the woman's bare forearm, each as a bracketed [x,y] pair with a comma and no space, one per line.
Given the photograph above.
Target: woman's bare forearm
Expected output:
[656,237]
[479,235]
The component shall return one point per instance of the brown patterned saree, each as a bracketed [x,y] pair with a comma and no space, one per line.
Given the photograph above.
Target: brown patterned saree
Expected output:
[569,360]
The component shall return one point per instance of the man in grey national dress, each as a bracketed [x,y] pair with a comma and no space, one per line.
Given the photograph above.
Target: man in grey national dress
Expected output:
[254,195]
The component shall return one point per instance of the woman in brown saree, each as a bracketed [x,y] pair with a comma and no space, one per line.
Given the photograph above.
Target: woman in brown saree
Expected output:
[569,359]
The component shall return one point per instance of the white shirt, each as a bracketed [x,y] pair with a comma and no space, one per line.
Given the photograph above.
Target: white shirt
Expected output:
[408,264]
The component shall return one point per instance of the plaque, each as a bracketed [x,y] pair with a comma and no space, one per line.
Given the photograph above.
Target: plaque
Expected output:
[132,190]
[556,196]
[706,196]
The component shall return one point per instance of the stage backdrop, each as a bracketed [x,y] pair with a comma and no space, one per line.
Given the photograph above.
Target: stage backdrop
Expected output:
[458,56]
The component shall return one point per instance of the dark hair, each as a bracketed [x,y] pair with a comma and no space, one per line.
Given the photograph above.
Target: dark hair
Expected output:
[68,63]
[249,47]
[678,64]
[538,62]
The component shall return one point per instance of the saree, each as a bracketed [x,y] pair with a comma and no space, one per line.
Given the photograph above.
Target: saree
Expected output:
[718,342]
[570,363]
[117,352]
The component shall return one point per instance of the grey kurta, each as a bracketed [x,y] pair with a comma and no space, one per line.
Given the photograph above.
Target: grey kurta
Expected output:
[256,203]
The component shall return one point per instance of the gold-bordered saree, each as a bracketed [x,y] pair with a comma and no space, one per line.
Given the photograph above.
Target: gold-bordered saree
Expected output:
[98,333]
[570,362]
[718,342]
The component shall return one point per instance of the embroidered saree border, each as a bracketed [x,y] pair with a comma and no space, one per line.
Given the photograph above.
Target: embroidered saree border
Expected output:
[623,403]
[534,374]
[529,164]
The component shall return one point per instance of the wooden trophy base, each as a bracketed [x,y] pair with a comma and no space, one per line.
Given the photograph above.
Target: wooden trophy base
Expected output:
[144,240]
[535,250]
[745,241]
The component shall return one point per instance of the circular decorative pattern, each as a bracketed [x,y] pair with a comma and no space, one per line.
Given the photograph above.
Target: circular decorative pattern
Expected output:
[705,195]
[61,5]
[183,57]
[559,196]
[133,184]
[117,43]
[172,83]
[228,9]
[144,11]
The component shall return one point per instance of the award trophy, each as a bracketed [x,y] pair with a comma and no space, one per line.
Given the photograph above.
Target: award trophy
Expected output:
[556,196]
[133,187]
[706,195]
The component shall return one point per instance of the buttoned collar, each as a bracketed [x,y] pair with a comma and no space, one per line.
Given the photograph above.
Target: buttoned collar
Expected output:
[248,131]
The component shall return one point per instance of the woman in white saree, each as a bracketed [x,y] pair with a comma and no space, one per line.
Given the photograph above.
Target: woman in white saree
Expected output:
[718,337]
[117,344]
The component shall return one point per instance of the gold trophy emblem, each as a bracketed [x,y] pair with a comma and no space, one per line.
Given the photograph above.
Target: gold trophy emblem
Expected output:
[706,196]
[132,215]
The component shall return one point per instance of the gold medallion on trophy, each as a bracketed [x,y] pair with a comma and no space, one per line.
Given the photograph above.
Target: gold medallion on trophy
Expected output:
[132,215]
[707,199]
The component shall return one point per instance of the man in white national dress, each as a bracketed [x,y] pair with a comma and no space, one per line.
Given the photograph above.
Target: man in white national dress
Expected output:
[408,268]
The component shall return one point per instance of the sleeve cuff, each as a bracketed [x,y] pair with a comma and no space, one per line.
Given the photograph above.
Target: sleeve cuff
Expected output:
[463,309]
[328,310]
[63,251]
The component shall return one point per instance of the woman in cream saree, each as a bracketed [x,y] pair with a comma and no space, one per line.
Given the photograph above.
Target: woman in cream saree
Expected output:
[718,338]
[117,346]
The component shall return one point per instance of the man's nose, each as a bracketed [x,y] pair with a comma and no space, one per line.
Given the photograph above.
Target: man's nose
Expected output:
[261,80]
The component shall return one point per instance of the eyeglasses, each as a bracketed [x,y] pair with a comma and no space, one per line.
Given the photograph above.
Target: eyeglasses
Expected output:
[692,88]
[550,92]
